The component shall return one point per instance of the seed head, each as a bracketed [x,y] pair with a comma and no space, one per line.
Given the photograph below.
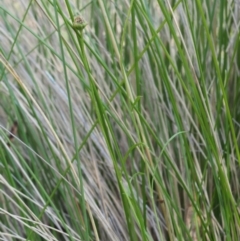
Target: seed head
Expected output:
[79,23]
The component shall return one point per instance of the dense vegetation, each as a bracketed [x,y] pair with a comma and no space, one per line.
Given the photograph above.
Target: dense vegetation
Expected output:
[119,120]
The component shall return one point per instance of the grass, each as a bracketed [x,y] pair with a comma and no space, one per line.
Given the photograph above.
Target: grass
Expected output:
[127,129]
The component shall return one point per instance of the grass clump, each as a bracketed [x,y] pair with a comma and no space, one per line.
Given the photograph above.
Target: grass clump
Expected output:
[119,120]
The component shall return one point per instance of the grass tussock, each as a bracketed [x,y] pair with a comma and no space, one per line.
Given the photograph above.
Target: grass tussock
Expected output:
[119,120]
